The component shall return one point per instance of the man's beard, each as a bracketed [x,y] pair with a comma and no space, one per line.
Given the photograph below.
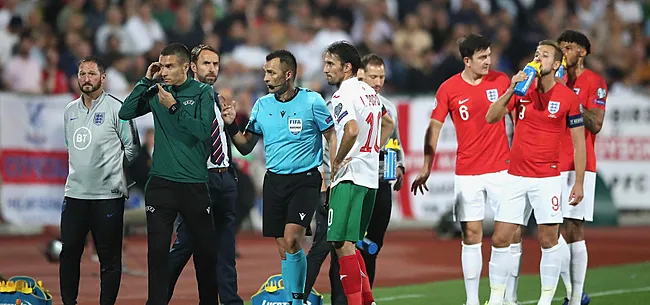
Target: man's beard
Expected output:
[204,79]
[93,89]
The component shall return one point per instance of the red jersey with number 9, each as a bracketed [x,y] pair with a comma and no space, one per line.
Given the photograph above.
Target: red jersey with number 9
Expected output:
[542,119]
[482,147]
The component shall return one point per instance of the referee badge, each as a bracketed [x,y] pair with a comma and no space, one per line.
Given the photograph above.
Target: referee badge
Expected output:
[99,118]
[295,126]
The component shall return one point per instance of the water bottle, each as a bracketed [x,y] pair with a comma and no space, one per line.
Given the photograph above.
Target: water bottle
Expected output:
[368,245]
[390,160]
[531,70]
[562,70]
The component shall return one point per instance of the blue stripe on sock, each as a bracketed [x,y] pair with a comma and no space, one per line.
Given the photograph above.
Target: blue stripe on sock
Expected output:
[297,267]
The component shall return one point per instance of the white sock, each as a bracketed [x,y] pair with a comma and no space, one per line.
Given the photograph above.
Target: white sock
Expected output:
[579,260]
[472,261]
[513,276]
[565,270]
[500,262]
[549,271]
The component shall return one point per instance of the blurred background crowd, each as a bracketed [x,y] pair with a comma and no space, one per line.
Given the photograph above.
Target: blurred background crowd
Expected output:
[416,37]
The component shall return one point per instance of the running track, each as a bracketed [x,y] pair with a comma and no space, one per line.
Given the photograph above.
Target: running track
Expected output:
[407,258]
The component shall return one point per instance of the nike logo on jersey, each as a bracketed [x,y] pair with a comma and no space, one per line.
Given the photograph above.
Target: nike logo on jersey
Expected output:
[524,101]
[343,276]
[72,119]
[302,216]
[460,102]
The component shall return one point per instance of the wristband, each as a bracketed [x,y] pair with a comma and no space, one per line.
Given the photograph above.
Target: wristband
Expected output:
[232,128]
[174,108]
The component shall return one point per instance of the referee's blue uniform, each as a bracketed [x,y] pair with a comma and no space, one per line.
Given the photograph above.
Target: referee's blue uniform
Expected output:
[292,132]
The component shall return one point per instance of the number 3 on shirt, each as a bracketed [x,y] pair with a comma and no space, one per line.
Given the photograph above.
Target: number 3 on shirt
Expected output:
[371,121]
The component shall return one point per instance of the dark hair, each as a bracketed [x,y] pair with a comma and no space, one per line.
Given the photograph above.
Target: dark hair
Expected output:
[558,52]
[286,58]
[576,37]
[347,53]
[470,44]
[100,64]
[194,57]
[178,49]
[371,59]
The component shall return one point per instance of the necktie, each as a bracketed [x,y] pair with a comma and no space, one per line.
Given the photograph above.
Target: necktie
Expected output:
[217,148]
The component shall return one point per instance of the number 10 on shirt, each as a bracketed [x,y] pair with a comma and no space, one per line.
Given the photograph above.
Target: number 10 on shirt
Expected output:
[374,127]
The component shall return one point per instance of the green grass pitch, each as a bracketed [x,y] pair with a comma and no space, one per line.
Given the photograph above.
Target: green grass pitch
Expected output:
[624,284]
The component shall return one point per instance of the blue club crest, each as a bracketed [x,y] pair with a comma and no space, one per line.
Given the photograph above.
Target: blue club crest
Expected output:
[99,118]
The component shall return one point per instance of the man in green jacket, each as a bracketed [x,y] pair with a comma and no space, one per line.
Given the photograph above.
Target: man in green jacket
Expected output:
[183,112]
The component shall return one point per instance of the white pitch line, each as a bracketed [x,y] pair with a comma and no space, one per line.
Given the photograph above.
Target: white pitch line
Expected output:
[600,294]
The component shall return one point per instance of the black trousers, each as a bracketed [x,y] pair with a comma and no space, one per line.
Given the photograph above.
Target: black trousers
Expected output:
[104,219]
[318,252]
[378,225]
[164,200]
[223,195]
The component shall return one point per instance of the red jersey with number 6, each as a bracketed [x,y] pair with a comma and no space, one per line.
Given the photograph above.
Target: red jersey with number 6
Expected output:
[542,119]
[482,147]
[592,93]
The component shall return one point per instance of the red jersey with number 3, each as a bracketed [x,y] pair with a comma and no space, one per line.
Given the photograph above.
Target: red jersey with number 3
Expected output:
[482,147]
[592,93]
[541,121]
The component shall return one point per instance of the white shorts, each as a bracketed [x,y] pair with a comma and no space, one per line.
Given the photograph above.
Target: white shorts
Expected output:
[585,209]
[523,195]
[473,192]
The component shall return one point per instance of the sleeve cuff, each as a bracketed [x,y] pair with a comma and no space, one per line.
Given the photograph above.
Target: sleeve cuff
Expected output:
[147,81]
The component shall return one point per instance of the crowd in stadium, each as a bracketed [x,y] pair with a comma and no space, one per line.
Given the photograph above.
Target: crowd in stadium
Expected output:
[416,37]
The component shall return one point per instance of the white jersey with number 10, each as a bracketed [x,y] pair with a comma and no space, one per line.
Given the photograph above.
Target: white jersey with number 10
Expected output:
[355,100]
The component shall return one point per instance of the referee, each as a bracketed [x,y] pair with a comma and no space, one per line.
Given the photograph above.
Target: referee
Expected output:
[223,191]
[292,122]
[183,111]
[98,143]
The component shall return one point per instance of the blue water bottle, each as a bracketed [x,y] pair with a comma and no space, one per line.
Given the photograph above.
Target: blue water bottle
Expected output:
[390,160]
[368,245]
[531,70]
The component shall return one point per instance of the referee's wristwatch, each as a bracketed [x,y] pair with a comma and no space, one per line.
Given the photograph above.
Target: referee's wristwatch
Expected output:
[173,108]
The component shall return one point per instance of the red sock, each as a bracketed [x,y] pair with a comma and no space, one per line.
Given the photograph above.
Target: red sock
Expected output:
[351,279]
[366,292]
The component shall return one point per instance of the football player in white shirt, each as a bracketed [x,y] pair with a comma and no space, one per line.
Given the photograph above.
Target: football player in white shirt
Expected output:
[359,116]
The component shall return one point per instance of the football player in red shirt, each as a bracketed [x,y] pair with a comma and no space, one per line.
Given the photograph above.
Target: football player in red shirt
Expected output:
[592,93]
[482,154]
[533,182]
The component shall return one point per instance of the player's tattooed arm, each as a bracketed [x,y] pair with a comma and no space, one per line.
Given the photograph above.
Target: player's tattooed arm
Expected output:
[594,118]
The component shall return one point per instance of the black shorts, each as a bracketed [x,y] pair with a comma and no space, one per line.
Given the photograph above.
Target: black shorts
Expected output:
[290,198]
